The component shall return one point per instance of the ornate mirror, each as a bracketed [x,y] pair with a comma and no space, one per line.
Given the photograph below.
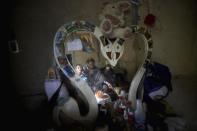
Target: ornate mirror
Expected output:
[78,43]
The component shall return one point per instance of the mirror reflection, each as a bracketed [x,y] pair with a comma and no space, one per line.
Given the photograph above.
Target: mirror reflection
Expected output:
[84,79]
[106,81]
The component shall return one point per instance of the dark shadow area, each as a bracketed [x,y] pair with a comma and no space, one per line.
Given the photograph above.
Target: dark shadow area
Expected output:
[15,115]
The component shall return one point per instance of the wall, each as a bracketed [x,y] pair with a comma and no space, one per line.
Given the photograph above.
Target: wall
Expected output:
[175,35]
[35,24]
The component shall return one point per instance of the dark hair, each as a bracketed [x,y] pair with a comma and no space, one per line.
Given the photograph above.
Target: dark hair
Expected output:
[78,65]
[104,84]
[89,60]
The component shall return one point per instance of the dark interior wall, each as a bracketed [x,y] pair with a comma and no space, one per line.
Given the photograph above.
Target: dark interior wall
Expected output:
[35,24]
[175,35]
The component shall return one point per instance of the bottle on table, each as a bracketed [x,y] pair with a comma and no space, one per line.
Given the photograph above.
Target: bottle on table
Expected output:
[139,116]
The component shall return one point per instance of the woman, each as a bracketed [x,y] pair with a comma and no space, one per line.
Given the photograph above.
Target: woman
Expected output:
[79,71]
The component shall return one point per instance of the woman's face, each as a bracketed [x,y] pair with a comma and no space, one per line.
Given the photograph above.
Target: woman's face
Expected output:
[78,69]
[62,61]
[91,64]
[51,74]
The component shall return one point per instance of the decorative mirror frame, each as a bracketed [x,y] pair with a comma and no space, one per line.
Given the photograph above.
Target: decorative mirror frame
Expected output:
[69,72]
[136,87]
[77,82]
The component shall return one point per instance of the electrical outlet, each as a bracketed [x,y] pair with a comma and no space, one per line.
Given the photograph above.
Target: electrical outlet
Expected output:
[13,46]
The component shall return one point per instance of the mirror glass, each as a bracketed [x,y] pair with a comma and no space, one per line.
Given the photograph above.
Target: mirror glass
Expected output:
[81,46]
[88,76]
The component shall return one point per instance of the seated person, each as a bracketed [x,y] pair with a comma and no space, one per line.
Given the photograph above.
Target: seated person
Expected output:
[79,71]
[52,84]
[106,93]
[108,89]
[109,74]
[94,76]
